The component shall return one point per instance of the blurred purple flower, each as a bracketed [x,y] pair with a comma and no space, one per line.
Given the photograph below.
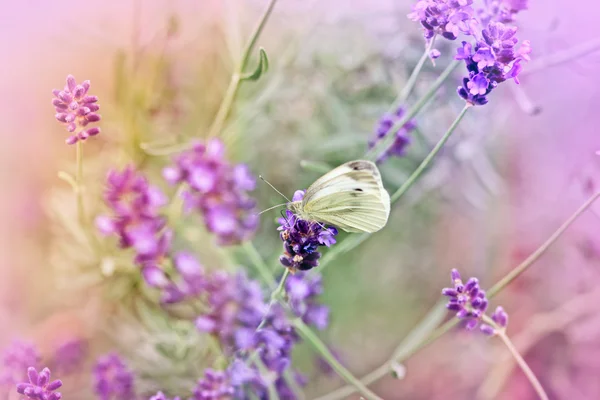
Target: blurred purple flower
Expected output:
[303,290]
[215,385]
[69,356]
[113,380]
[135,206]
[161,396]
[16,358]
[218,189]
[76,109]
[468,300]
[301,239]
[398,147]
[39,386]
[500,10]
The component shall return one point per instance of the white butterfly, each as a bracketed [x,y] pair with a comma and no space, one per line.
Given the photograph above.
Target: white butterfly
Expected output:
[350,197]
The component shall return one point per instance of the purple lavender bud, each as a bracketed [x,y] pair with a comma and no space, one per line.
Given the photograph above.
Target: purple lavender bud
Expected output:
[434,54]
[384,126]
[500,317]
[453,306]
[73,98]
[487,330]
[39,385]
[471,284]
[471,324]
[155,277]
[455,276]
[449,292]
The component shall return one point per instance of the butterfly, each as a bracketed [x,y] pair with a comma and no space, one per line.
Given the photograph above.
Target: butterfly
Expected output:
[350,197]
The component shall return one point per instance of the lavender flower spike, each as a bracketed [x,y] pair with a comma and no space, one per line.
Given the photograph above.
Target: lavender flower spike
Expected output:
[301,239]
[39,386]
[113,380]
[467,299]
[76,109]
[402,139]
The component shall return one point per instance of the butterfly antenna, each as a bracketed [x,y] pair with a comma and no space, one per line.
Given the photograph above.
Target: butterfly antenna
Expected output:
[273,187]
[271,208]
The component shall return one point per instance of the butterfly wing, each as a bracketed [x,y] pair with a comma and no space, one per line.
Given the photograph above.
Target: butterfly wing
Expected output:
[350,197]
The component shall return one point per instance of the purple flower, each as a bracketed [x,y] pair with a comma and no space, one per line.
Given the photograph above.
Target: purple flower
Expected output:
[236,308]
[215,385]
[500,318]
[492,61]
[218,190]
[302,238]
[402,140]
[16,358]
[161,396]
[303,290]
[467,299]
[500,10]
[135,219]
[39,386]
[69,356]
[446,18]
[76,109]
[113,380]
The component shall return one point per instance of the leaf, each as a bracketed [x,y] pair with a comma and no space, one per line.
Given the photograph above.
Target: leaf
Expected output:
[261,68]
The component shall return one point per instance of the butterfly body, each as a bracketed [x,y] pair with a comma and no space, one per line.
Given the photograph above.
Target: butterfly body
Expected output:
[350,197]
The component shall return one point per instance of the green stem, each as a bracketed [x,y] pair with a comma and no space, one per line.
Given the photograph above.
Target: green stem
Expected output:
[307,334]
[427,161]
[234,83]
[387,141]
[274,297]
[79,181]
[259,264]
[540,250]
[412,79]
[501,333]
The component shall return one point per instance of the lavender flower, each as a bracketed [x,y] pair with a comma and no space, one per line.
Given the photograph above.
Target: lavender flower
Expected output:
[500,318]
[215,385]
[218,190]
[402,139]
[161,396]
[447,18]
[303,289]
[236,309]
[468,300]
[16,358]
[113,380]
[69,356]
[39,386]
[301,239]
[500,10]
[491,61]
[136,221]
[76,109]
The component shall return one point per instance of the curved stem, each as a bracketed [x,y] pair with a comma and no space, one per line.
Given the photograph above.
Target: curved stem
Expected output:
[274,297]
[501,333]
[234,83]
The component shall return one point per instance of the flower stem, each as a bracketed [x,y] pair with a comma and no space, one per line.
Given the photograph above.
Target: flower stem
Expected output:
[307,334]
[388,139]
[79,181]
[502,283]
[428,160]
[274,297]
[501,333]
[234,83]
[259,264]
[412,79]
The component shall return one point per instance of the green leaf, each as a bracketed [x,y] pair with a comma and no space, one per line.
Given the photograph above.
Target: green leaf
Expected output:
[261,68]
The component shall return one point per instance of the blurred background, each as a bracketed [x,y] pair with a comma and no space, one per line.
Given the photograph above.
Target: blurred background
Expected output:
[515,170]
